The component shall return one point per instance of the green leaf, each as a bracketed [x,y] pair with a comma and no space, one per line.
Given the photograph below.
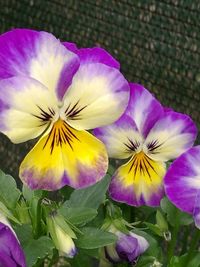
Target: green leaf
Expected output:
[59,220]
[90,197]
[22,211]
[81,260]
[161,222]
[94,253]
[174,215]
[78,215]
[24,233]
[7,213]
[145,261]
[35,211]
[154,228]
[180,261]
[37,249]
[9,194]
[34,249]
[29,194]
[85,258]
[95,238]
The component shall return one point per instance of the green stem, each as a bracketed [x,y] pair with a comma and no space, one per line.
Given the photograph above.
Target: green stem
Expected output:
[185,240]
[172,244]
[193,245]
[54,258]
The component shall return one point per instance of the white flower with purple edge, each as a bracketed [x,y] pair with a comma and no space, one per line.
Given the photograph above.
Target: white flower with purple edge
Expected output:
[55,91]
[182,183]
[148,135]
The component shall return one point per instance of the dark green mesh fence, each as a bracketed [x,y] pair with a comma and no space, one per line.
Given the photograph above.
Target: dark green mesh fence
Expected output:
[157,43]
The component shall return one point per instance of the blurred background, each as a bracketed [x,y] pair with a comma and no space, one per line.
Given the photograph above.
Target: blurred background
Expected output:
[157,43]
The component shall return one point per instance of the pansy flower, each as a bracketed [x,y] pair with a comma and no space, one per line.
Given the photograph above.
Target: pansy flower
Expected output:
[127,248]
[48,91]
[11,253]
[182,183]
[148,135]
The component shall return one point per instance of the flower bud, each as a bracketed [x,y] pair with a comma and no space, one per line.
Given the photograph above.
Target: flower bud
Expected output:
[128,248]
[62,235]
[11,253]
[156,264]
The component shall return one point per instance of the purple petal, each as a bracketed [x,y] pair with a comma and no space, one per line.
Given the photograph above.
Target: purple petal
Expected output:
[97,55]
[71,46]
[143,108]
[196,211]
[93,55]
[142,242]
[127,248]
[130,246]
[7,261]
[10,250]
[38,55]
[171,135]
[182,181]
[168,109]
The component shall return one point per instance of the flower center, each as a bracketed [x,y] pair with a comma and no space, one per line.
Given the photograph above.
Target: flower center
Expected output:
[139,145]
[60,134]
[71,112]
[141,164]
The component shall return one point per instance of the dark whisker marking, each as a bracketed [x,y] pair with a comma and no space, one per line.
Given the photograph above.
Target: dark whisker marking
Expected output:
[51,111]
[66,136]
[49,135]
[69,111]
[73,112]
[59,134]
[135,170]
[44,113]
[69,143]
[53,141]
[76,112]
[45,116]
[132,164]
[147,170]
[42,124]
[59,141]
[140,166]
[132,146]
[66,110]
[153,146]
[141,163]
[149,162]
[68,140]
[67,128]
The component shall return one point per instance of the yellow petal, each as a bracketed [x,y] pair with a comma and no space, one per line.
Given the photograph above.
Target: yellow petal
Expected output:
[64,157]
[139,182]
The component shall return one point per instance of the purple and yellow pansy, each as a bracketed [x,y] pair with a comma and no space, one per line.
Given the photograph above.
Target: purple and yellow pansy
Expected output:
[148,135]
[55,91]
